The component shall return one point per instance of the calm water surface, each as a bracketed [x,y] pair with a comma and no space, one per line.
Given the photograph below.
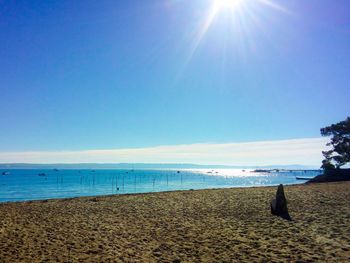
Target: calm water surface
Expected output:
[21,184]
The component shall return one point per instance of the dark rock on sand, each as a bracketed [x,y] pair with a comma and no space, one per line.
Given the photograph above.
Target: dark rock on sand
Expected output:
[279,204]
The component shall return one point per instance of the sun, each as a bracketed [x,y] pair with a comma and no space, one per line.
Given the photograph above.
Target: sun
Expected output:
[243,15]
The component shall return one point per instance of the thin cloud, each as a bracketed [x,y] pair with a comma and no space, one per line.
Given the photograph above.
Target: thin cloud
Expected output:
[283,152]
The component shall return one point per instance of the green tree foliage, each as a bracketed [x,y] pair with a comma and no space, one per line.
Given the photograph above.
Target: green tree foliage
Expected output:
[340,142]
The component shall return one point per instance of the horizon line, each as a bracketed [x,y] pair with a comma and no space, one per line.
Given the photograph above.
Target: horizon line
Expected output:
[303,151]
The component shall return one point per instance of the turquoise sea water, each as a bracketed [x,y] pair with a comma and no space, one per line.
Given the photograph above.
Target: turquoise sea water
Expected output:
[22,184]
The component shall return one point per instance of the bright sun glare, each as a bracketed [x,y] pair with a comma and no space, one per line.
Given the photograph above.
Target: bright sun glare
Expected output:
[243,15]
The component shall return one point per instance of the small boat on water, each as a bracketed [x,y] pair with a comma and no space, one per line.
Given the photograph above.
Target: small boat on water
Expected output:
[261,171]
[6,173]
[303,178]
[56,170]
[41,174]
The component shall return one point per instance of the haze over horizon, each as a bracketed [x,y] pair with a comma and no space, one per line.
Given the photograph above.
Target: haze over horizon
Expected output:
[305,152]
[244,82]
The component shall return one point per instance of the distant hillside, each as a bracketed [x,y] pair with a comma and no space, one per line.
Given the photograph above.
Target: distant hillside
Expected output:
[143,166]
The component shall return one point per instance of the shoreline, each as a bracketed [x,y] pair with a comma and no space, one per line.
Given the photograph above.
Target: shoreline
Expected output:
[232,224]
[144,193]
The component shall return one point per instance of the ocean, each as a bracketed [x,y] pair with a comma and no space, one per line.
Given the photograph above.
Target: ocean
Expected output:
[35,184]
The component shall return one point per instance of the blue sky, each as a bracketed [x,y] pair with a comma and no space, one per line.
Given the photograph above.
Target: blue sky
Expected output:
[91,75]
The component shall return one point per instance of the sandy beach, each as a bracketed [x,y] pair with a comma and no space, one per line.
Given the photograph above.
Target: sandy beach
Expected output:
[221,225]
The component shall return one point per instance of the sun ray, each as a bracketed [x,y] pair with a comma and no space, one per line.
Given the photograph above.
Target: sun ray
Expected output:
[202,31]
[244,17]
[273,5]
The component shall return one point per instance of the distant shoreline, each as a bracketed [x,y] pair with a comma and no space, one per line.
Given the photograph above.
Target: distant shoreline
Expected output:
[146,166]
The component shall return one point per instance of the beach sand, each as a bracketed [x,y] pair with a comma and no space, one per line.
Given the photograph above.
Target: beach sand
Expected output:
[223,225]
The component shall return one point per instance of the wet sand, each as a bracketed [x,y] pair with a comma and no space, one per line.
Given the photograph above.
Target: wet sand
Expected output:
[225,225]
